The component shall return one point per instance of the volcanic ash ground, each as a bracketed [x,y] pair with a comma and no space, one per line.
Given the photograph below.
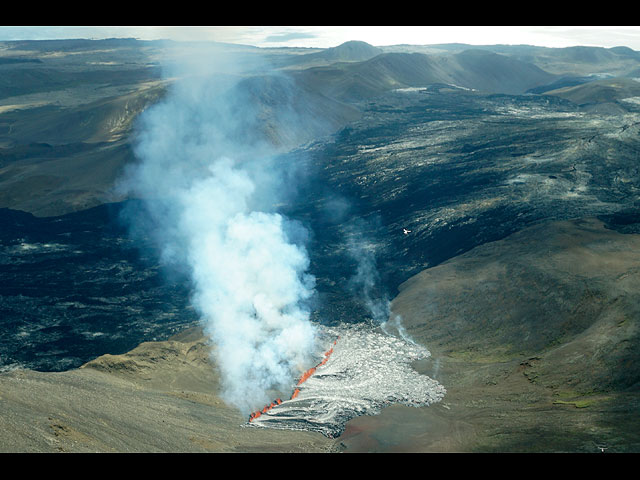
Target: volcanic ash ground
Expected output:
[366,371]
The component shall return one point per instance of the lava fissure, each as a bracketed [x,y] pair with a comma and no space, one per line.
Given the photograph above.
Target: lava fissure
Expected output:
[296,391]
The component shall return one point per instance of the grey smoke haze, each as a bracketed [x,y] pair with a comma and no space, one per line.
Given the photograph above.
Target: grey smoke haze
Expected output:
[366,283]
[211,181]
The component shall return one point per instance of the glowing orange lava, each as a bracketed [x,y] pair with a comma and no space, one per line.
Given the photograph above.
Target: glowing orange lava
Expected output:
[295,393]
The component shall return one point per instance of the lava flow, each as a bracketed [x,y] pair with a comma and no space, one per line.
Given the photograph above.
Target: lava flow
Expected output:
[295,393]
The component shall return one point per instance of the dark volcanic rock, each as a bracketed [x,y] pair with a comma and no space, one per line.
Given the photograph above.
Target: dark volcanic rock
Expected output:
[77,286]
[457,169]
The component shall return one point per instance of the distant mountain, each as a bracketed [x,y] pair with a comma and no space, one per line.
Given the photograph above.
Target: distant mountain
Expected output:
[385,72]
[600,91]
[590,54]
[563,82]
[625,51]
[475,69]
[352,51]
[581,60]
[493,72]
[568,61]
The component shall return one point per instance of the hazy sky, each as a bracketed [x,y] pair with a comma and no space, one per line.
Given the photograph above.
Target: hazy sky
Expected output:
[330,36]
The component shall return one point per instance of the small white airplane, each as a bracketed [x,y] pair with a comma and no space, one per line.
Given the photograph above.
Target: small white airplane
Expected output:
[405,231]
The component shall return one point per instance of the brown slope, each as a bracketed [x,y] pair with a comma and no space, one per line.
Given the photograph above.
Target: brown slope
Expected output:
[354,82]
[536,292]
[60,160]
[160,397]
[600,91]
[495,73]
[477,69]
[533,337]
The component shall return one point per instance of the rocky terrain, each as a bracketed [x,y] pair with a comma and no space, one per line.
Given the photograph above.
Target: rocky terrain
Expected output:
[64,281]
[458,169]
[513,170]
[160,397]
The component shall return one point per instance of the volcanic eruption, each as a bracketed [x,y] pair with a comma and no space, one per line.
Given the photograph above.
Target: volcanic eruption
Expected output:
[211,185]
[296,391]
[364,371]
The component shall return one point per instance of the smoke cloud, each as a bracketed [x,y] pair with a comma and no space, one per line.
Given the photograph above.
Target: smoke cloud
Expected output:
[211,180]
[366,284]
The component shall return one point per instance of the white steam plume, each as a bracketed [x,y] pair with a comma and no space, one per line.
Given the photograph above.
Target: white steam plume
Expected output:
[209,185]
